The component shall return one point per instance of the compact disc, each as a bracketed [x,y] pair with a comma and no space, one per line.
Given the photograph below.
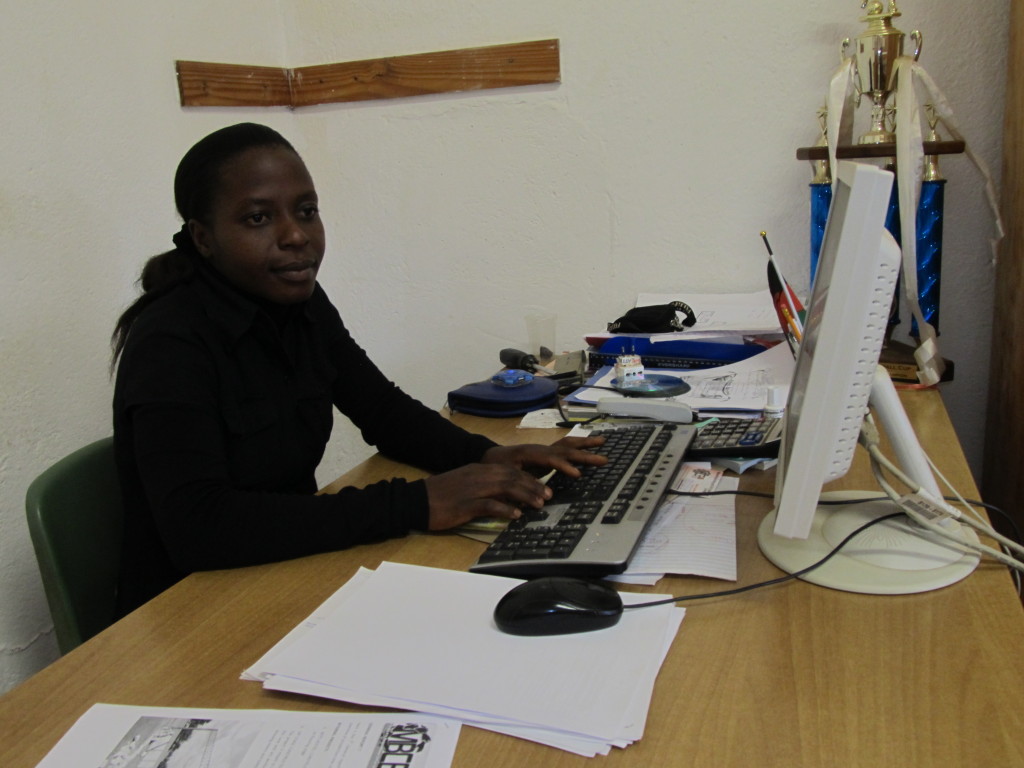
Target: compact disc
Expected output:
[652,385]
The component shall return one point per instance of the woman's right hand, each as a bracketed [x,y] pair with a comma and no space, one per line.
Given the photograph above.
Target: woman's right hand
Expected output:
[482,490]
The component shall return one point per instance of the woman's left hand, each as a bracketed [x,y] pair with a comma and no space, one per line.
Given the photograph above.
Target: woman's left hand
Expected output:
[563,455]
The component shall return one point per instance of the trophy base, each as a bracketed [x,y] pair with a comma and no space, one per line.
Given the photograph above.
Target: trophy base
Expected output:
[898,359]
[878,137]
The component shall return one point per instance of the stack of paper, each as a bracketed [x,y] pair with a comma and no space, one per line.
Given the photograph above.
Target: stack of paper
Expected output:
[424,639]
[720,316]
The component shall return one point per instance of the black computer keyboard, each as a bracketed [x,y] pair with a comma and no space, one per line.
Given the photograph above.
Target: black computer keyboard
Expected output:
[592,524]
[738,438]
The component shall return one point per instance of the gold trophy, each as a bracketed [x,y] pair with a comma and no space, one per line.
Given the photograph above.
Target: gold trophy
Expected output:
[875,55]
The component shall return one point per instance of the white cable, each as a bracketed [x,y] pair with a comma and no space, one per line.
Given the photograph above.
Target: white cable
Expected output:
[924,522]
[870,439]
[1007,545]
[978,525]
[942,478]
[878,461]
[878,457]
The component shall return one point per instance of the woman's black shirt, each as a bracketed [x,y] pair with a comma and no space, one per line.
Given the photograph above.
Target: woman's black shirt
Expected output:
[222,411]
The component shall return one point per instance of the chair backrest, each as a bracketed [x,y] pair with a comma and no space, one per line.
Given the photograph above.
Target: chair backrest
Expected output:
[75,519]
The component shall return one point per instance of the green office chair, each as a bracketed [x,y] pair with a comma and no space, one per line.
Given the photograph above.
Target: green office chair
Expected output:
[75,519]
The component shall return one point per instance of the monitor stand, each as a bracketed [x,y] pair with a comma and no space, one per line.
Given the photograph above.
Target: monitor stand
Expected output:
[896,557]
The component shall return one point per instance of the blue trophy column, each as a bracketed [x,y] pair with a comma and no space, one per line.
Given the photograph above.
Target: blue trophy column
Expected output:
[929,242]
[929,251]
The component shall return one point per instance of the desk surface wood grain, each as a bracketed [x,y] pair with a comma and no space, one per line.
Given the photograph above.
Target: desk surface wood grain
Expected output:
[792,675]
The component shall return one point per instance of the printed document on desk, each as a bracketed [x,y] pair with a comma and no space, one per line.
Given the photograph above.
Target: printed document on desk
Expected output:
[741,386]
[424,639]
[113,736]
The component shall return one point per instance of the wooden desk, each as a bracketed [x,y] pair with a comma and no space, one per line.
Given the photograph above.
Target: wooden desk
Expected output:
[794,675]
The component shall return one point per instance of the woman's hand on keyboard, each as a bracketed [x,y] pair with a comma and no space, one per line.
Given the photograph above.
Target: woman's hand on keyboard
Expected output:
[502,484]
[482,490]
[564,455]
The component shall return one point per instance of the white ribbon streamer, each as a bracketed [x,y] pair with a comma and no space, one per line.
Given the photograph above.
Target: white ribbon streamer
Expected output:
[909,169]
[839,104]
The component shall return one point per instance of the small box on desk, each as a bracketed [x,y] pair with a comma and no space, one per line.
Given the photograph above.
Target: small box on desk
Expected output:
[898,359]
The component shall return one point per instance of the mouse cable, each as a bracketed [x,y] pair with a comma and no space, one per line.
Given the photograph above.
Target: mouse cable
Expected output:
[789,576]
[1014,566]
[821,502]
[567,423]
[771,582]
[1003,514]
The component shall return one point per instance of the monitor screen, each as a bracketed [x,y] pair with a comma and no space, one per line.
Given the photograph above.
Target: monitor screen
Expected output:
[835,375]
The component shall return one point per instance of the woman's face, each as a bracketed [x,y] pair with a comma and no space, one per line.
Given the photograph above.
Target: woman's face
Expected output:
[264,232]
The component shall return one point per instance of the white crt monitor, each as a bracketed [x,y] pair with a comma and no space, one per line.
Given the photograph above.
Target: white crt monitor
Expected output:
[836,373]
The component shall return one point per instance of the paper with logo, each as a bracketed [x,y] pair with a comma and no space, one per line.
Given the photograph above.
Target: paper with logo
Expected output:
[114,736]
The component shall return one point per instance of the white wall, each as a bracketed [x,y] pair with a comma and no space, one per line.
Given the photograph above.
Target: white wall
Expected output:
[668,145]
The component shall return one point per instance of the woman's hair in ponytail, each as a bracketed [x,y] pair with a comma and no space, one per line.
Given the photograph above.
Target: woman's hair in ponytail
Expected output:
[195,186]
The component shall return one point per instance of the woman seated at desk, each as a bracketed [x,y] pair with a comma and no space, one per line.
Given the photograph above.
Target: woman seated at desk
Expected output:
[228,366]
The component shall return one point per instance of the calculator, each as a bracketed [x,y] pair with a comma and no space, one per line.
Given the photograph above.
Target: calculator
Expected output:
[737,438]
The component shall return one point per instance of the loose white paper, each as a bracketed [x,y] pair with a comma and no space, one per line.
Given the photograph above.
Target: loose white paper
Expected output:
[690,535]
[424,639]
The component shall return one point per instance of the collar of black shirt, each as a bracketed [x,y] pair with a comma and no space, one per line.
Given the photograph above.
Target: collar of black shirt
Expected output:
[241,308]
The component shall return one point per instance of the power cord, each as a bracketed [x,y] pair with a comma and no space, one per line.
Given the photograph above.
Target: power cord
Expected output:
[932,513]
[770,582]
[839,502]
[968,503]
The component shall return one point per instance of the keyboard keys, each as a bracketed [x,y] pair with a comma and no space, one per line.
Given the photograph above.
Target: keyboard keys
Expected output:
[642,460]
[534,543]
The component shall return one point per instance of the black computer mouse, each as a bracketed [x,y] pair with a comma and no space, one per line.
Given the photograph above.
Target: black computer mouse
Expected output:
[558,605]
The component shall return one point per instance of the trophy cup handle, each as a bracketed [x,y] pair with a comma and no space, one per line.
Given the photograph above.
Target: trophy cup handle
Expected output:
[918,41]
[844,54]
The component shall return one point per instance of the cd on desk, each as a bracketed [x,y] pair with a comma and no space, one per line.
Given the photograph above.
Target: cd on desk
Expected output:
[652,385]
